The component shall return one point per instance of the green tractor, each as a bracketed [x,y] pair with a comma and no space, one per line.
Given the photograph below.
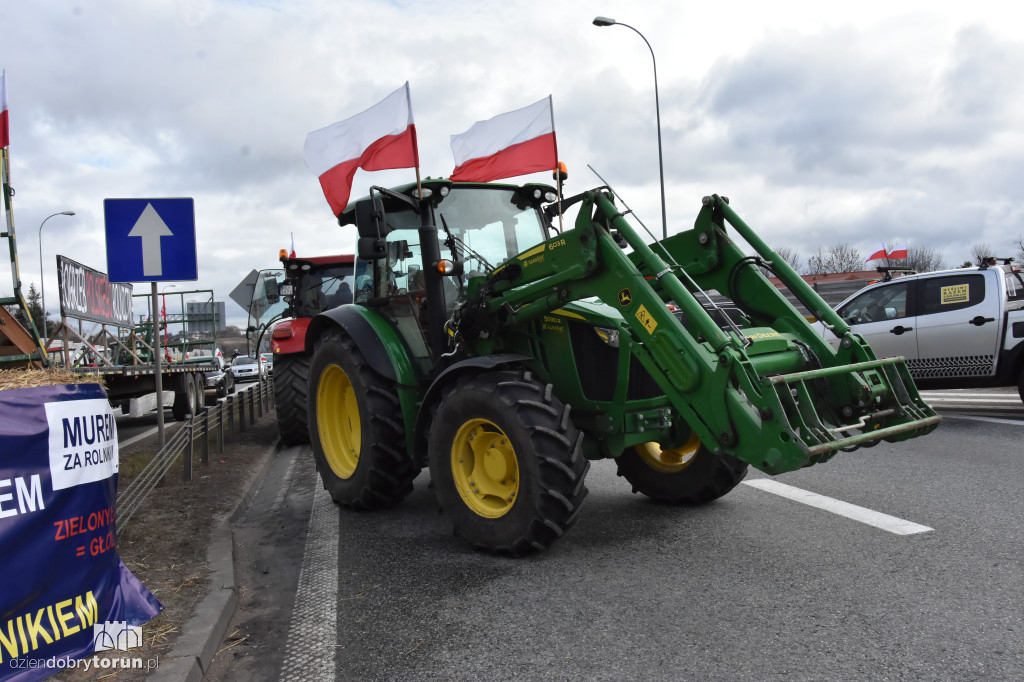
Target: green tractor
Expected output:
[506,354]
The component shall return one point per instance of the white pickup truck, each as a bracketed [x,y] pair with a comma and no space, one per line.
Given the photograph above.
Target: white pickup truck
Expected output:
[957,328]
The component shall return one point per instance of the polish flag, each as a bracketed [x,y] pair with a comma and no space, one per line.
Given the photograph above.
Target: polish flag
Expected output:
[877,255]
[379,138]
[5,131]
[292,254]
[899,252]
[515,143]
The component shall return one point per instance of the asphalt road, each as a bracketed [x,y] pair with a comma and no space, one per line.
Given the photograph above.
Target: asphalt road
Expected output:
[755,586]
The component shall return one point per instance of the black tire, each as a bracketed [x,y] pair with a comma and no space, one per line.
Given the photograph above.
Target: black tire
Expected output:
[229,384]
[689,475]
[291,384]
[184,396]
[356,428]
[531,474]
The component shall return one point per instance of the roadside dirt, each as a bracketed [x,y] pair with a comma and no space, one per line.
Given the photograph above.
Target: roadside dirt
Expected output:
[165,542]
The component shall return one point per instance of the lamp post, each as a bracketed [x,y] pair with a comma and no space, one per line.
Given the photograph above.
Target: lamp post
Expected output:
[605,21]
[42,288]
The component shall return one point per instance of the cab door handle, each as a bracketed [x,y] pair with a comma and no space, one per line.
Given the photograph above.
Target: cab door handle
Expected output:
[899,329]
[979,320]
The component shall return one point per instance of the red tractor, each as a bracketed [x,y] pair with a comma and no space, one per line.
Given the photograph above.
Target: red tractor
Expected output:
[285,301]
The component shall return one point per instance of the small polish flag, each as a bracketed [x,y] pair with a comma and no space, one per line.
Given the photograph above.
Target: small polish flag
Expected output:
[5,131]
[292,254]
[514,143]
[379,138]
[898,252]
[877,255]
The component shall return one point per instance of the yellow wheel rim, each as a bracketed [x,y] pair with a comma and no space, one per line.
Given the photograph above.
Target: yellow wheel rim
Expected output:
[337,420]
[485,468]
[671,460]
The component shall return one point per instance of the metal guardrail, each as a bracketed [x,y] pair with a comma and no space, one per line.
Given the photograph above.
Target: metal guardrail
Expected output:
[245,407]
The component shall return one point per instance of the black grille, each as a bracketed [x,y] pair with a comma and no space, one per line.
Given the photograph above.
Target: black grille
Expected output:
[597,365]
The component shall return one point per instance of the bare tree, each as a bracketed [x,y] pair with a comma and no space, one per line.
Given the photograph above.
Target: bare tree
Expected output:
[1020,249]
[787,254]
[837,258]
[979,252]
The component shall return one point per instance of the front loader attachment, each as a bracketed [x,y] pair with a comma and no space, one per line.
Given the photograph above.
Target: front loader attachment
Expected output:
[760,384]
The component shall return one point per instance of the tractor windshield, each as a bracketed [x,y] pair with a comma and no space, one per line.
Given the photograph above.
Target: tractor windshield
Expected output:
[488,225]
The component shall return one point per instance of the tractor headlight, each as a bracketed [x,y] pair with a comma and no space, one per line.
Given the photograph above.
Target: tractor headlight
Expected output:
[550,197]
[609,336]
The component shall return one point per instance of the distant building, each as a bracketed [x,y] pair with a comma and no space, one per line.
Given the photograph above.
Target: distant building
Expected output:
[205,316]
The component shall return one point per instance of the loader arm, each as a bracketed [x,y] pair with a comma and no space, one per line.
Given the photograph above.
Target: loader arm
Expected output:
[769,390]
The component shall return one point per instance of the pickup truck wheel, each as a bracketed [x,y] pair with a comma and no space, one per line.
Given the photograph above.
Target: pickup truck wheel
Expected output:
[291,379]
[687,475]
[184,396]
[506,462]
[356,428]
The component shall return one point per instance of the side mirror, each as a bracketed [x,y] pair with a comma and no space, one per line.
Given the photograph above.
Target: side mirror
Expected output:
[270,289]
[371,220]
[398,251]
[372,248]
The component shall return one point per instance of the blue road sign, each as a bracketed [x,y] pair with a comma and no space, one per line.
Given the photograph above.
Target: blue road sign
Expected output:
[151,240]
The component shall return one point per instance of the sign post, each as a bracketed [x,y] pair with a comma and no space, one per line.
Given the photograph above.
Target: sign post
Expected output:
[152,240]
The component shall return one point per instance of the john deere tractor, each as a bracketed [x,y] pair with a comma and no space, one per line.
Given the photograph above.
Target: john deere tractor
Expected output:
[506,354]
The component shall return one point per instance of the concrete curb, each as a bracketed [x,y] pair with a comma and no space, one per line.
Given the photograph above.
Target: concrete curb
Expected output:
[200,636]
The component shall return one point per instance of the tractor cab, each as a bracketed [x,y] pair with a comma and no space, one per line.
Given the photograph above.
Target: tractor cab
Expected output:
[418,256]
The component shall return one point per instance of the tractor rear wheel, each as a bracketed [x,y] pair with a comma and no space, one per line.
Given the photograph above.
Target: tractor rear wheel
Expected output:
[506,462]
[356,428]
[291,379]
[687,475]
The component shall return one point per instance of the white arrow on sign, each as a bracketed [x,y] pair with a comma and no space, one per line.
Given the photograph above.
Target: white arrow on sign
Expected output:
[150,227]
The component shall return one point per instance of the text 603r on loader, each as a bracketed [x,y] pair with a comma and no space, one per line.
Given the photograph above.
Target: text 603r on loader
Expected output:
[506,355]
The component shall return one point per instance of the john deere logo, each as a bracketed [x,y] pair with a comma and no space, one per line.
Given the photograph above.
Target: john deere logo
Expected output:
[625,298]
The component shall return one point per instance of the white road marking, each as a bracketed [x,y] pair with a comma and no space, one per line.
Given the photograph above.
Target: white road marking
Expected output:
[870,517]
[994,420]
[313,634]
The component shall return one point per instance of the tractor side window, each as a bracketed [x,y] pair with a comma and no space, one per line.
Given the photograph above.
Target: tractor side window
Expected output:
[363,281]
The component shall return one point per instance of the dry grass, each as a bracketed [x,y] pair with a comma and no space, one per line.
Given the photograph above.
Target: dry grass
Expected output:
[11,379]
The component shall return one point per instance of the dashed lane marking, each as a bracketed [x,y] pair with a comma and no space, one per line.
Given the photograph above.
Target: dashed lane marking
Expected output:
[870,517]
[313,634]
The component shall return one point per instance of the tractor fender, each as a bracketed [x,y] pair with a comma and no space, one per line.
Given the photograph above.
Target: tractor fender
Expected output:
[353,319]
[477,365]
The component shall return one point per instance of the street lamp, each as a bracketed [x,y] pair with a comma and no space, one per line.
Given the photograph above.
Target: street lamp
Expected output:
[42,288]
[605,21]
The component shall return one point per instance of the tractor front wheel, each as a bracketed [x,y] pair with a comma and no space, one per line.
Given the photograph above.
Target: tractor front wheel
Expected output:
[506,462]
[356,428]
[291,379]
[687,475]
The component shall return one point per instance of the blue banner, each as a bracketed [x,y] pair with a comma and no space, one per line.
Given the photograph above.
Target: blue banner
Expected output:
[63,582]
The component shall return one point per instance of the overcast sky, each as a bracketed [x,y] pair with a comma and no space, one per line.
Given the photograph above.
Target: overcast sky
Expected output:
[823,122]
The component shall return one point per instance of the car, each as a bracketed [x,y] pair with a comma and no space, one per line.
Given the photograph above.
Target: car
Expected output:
[961,328]
[246,368]
[268,363]
[219,384]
